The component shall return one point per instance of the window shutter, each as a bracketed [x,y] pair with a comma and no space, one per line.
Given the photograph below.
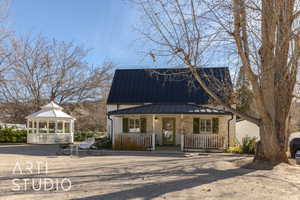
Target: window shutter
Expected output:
[215,124]
[143,125]
[196,125]
[125,125]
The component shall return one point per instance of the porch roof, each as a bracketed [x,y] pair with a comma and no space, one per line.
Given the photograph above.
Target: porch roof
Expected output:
[169,109]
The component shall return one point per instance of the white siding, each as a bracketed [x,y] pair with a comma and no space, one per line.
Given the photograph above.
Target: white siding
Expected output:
[117,121]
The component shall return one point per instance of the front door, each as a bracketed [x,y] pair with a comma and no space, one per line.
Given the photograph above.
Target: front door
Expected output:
[168,131]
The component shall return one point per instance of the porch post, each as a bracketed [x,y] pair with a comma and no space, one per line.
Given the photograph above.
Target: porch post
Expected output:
[71,126]
[181,133]
[153,141]
[37,126]
[56,126]
[63,126]
[181,124]
[182,142]
[27,126]
[33,126]
[48,126]
[153,124]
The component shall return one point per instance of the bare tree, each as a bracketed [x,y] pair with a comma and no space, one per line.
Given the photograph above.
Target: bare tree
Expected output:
[42,70]
[262,34]
[4,34]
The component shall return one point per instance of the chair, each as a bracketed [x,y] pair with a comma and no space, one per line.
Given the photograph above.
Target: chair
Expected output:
[87,144]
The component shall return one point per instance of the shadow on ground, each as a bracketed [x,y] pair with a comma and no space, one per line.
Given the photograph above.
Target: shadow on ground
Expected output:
[32,150]
[146,190]
[198,177]
[51,150]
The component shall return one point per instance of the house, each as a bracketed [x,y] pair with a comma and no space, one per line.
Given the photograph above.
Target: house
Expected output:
[170,105]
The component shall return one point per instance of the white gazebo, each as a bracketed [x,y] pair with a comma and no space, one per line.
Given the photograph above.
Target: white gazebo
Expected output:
[50,125]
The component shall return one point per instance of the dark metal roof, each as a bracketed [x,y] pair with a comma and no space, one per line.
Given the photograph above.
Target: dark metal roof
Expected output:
[175,85]
[169,109]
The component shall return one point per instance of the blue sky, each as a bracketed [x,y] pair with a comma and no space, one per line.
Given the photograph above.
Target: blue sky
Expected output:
[105,26]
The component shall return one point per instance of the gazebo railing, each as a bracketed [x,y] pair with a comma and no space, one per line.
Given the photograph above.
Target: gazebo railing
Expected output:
[50,138]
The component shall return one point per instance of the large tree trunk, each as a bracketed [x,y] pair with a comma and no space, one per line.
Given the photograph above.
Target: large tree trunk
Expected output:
[272,147]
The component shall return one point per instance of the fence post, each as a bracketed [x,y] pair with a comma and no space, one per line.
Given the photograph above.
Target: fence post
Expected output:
[182,142]
[153,141]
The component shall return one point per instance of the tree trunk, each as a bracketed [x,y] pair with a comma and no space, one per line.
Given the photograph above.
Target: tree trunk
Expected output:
[272,147]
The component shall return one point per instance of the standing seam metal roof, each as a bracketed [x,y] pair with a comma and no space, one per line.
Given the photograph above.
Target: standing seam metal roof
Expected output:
[175,85]
[170,109]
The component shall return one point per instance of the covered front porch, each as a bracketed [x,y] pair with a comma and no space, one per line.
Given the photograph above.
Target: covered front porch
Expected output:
[188,126]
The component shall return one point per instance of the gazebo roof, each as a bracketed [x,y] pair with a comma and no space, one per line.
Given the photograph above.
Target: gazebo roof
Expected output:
[51,106]
[50,111]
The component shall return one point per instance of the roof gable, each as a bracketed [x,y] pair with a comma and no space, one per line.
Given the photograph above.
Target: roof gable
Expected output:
[175,85]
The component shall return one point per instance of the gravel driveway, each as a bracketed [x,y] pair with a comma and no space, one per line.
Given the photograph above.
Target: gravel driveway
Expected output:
[135,175]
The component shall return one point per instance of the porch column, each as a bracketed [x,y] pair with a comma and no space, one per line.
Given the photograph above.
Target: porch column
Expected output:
[48,126]
[27,126]
[72,126]
[63,126]
[32,126]
[181,124]
[153,124]
[55,130]
[37,126]
[182,142]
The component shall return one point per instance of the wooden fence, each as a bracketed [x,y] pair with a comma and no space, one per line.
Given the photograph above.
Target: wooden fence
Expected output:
[201,141]
[134,141]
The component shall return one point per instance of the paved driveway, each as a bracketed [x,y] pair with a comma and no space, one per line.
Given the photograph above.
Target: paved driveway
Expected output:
[138,176]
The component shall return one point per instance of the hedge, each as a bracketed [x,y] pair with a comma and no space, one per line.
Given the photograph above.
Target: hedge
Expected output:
[82,135]
[9,135]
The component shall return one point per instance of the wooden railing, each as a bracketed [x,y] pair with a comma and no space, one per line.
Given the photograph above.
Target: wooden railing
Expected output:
[134,141]
[201,141]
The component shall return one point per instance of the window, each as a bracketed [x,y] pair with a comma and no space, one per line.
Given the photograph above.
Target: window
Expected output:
[205,125]
[208,125]
[134,125]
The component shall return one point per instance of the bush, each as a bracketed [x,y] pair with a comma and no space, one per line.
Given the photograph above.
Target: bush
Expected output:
[235,149]
[80,136]
[103,143]
[248,145]
[9,135]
